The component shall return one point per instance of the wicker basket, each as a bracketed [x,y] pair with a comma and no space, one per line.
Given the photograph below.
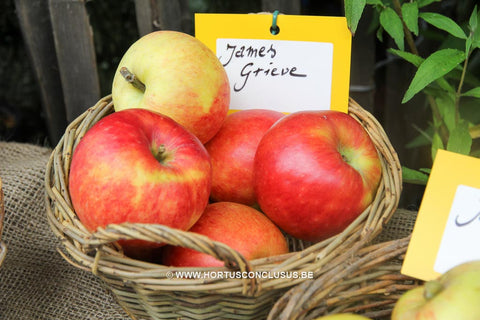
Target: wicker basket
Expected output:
[368,283]
[3,248]
[152,291]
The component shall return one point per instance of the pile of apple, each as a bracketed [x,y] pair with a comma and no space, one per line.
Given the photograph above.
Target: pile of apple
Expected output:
[172,153]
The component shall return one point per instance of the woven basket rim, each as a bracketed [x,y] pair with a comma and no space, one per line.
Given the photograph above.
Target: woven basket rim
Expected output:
[369,279]
[95,253]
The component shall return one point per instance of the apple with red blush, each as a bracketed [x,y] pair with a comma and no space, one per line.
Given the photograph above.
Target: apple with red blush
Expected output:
[139,166]
[232,151]
[241,227]
[315,172]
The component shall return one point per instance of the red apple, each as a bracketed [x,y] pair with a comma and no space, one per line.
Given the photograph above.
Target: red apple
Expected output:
[232,151]
[241,227]
[139,166]
[176,75]
[315,172]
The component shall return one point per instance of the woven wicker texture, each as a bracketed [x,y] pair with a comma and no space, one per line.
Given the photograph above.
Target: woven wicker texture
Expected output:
[147,290]
[368,283]
[35,281]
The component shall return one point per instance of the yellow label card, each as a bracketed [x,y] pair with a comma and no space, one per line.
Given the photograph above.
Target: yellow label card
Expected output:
[447,229]
[305,65]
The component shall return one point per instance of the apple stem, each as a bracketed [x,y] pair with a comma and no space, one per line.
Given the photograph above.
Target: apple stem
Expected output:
[132,78]
[160,153]
[432,287]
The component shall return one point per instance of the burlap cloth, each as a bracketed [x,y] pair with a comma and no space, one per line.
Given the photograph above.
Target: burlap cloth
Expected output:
[35,281]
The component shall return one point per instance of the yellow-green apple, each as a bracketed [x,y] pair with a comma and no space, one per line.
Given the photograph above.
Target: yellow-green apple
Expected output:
[232,151]
[139,166]
[174,74]
[241,227]
[454,295]
[343,316]
[315,172]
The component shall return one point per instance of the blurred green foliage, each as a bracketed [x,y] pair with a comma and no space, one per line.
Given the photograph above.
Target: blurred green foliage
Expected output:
[446,73]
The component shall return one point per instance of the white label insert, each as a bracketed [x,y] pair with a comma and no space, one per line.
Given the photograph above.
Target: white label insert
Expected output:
[279,75]
[462,232]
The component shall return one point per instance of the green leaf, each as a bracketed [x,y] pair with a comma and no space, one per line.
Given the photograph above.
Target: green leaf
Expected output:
[446,107]
[473,21]
[379,34]
[375,2]
[468,43]
[353,13]
[435,66]
[393,25]
[476,44]
[424,3]
[373,24]
[425,170]
[410,16]
[417,61]
[475,92]
[424,138]
[460,140]
[444,23]
[474,37]
[436,144]
[445,85]
[414,176]
[409,57]
[418,141]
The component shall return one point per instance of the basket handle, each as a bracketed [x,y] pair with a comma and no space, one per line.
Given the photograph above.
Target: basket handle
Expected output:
[164,234]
